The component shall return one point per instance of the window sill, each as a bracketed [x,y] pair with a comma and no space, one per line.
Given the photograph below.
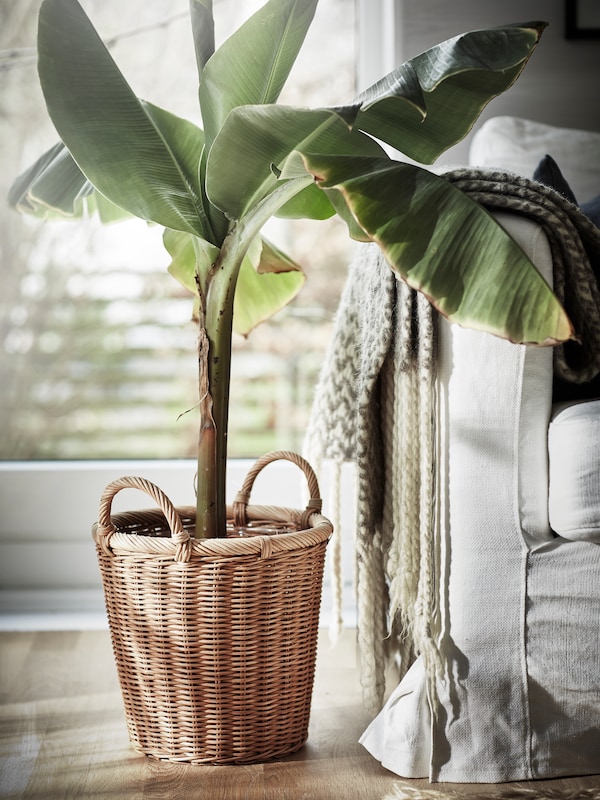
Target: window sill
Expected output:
[47,563]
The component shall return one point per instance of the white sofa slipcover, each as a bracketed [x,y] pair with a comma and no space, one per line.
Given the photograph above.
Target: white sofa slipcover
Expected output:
[520,604]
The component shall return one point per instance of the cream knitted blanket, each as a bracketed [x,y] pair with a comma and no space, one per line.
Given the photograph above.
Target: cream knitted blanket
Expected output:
[375,405]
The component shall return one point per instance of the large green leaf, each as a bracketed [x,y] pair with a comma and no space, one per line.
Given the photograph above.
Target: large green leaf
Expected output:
[448,247]
[138,156]
[431,102]
[254,138]
[310,203]
[203,30]
[252,66]
[217,221]
[54,186]
[294,167]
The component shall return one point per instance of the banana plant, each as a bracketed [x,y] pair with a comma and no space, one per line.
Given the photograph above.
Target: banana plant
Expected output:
[213,189]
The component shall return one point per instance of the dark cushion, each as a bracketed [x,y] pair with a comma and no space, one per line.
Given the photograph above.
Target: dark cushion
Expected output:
[548,173]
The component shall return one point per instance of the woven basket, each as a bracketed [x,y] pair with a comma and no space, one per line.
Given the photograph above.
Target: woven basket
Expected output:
[214,640]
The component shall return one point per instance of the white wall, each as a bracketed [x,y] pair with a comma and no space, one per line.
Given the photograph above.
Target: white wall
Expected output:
[560,84]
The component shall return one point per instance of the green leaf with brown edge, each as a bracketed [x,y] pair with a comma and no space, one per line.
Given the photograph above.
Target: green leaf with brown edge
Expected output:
[447,246]
[265,286]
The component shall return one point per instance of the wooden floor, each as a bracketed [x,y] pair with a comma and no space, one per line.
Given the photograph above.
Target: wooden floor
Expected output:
[62,734]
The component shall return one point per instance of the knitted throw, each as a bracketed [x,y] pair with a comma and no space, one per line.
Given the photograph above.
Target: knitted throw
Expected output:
[375,405]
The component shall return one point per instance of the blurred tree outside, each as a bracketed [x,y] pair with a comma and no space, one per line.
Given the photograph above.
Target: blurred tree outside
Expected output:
[96,343]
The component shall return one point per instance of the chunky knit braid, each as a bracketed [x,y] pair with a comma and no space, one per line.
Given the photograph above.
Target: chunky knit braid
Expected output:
[408,423]
[575,245]
[377,326]
[386,377]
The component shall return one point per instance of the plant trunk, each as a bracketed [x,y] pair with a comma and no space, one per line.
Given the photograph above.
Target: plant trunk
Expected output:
[214,369]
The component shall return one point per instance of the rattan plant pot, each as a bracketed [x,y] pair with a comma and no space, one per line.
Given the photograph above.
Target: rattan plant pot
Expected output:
[214,640]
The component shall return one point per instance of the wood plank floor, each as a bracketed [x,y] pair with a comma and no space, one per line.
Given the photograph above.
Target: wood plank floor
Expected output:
[62,734]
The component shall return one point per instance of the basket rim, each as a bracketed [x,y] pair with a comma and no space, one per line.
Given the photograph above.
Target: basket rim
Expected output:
[263,545]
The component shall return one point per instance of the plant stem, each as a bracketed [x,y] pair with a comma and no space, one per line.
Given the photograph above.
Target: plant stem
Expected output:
[214,368]
[207,437]
[214,358]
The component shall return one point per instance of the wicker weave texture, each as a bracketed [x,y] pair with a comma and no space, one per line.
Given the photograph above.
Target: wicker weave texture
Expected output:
[215,650]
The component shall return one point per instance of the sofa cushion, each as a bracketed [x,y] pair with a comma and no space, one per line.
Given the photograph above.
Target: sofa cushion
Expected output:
[549,173]
[574,471]
[518,145]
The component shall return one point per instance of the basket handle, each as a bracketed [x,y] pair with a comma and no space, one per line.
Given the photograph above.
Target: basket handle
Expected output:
[242,499]
[105,528]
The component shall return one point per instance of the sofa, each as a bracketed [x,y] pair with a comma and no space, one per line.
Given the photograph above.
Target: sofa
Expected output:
[519,555]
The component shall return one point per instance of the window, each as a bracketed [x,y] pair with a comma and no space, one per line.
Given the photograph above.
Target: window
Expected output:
[67,343]
[97,356]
